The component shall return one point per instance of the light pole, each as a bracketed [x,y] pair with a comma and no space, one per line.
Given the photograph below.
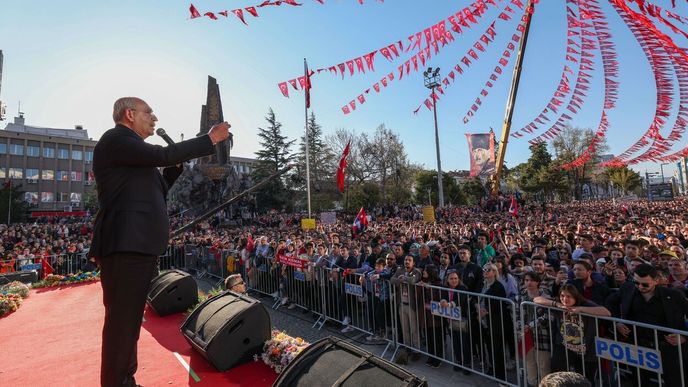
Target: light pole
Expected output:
[661,168]
[432,80]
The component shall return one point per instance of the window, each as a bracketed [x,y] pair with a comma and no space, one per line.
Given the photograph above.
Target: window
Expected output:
[77,154]
[76,175]
[48,174]
[31,197]
[32,173]
[3,173]
[64,196]
[63,153]
[17,149]
[33,151]
[89,156]
[47,197]
[75,197]
[62,176]
[48,151]
[16,173]
[3,148]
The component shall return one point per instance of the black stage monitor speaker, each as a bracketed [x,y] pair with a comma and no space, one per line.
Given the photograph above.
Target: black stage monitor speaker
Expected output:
[228,329]
[333,362]
[173,291]
[27,277]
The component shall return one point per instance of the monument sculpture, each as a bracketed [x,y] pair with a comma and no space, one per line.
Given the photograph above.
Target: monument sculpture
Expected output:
[211,179]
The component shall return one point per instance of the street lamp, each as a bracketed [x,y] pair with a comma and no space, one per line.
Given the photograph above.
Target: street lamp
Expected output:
[432,80]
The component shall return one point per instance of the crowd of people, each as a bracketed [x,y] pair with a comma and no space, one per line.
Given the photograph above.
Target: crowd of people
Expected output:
[59,247]
[622,259]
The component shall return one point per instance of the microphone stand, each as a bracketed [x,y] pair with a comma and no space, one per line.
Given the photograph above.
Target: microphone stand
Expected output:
[221,206]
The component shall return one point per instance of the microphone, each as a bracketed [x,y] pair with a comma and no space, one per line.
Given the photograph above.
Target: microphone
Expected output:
[161,132]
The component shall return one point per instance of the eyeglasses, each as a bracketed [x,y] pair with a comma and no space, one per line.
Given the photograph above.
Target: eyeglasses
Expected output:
[642,284]
[486,270]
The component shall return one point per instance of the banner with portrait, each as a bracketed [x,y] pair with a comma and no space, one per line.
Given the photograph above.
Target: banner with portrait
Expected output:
[481,150]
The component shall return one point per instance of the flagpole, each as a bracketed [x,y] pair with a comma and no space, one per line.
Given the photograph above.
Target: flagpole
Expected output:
[9,203]
[308,169]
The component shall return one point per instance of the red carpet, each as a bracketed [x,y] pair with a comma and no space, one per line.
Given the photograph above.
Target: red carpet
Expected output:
[53,340]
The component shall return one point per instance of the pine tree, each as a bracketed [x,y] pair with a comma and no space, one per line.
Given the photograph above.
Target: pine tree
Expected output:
[274,155]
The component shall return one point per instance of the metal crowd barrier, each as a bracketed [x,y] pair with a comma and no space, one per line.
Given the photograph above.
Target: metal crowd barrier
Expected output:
[592,346]
[470,331]
[202,261]
[62,264]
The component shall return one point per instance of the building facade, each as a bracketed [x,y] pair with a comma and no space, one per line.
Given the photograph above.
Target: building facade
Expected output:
[54,167]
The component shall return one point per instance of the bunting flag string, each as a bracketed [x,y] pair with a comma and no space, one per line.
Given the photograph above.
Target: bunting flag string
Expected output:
[590,10]
[656,46]
[502,64]
[655,11]
[481,45]
[564,87]
[433,35]
[661,145]
[252,10]
[592,147]
[586,67]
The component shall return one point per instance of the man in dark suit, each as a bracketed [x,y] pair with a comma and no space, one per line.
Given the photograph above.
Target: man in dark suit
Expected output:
[470,273]
[642,300]
[132,228]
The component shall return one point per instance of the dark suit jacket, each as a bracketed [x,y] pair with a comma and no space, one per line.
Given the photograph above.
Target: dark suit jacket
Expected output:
[132,192]
[674,303]
[471,276]
[600,290]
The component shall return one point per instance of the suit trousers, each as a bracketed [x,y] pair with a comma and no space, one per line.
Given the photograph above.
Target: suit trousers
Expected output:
[125,278]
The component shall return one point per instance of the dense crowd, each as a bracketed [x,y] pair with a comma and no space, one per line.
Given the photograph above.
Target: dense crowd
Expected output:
[602,258]
[57,246]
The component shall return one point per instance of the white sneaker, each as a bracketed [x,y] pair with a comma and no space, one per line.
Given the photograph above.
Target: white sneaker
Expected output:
[347,329]
[346,321]
[372,338]
[274,295]
[284,301]
[291,306]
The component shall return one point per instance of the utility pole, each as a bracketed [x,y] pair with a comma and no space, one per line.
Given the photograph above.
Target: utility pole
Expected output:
[511,101]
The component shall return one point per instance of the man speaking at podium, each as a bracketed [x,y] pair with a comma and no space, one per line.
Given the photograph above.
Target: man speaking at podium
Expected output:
[131,228]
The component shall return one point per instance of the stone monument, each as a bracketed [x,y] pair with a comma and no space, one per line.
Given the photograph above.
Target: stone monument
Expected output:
[212,179]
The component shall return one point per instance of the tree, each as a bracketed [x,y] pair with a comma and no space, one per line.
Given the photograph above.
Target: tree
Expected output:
[381,159]
[12,198]
[568,146]
[539,177]
[426,181]
[474,190]
[624,178]
[322,168]
[274,155]
[366,194]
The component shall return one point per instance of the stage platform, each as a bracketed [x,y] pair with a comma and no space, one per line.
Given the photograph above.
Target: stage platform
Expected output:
[54,339]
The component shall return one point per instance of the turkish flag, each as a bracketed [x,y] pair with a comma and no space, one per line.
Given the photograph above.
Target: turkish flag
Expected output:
[360,223]
[252,11]
[284,89]
[343,163]
[194,12]
[513,208]
[240,14]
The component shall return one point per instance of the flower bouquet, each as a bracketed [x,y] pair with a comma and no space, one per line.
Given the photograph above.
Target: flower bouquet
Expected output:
[15,287]
[281,350]
[9,303]
[59,280]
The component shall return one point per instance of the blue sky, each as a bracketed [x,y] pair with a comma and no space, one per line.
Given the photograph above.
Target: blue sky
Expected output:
[68,61]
